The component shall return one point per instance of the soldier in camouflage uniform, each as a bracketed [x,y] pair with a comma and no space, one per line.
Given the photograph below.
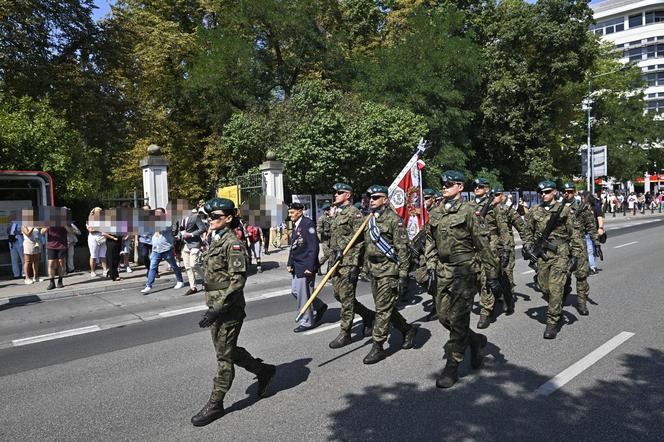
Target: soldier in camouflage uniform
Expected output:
[552,266]
[387,261]
[513,221]
[421,272]
[455,235]
[323,228]
[498,239]
[585,222]
[347,220]
[225,273]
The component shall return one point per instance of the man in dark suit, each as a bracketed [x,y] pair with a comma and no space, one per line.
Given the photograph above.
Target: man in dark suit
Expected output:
[303,264]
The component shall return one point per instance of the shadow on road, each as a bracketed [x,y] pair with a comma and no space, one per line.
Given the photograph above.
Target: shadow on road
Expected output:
[20,301]
[498,403]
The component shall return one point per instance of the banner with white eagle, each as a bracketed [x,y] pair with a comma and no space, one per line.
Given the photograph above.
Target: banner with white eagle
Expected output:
[405,193]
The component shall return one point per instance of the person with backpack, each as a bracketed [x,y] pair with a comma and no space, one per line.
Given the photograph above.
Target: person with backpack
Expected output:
[255,244]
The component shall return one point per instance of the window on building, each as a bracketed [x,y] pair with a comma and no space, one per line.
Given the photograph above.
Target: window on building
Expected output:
[660,79]
[660,50]
[651,51]
[650,79]
[635,54]
[635,20]
[654,17]
[610,26]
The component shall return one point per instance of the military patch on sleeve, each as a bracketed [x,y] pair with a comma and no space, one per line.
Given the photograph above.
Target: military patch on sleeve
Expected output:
[359,215]
[312,230]
[236,262]
[236,247]
[477,213]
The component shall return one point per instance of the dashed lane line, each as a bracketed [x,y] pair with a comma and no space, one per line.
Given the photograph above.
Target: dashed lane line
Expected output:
[580,366]
[56,335]
[528,272]
[625,245]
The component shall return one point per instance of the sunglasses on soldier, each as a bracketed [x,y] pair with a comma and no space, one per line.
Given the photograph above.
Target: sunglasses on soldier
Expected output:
[214,216]
[448,184]
[546,191]
[340,192]
[377,197]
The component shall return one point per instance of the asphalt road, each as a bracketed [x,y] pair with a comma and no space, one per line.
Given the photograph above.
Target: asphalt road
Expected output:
[146,379]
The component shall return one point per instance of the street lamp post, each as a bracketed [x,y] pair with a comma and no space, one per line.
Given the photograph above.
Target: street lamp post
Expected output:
[590,179]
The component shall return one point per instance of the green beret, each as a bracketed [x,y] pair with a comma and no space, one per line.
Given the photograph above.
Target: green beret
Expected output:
[358,205]
[479,181]
[377,188]
[428,192]
[453,176]
[343,186]
[219,204]
[497,189]
[438,195]
[326,205]
[545,185]
[569,186]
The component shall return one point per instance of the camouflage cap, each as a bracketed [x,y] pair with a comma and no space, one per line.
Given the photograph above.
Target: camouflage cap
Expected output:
[377,188]
[453,176]
[218,204]
[569,186]
[479,181]
[545,185]
[343,186]
[428,192]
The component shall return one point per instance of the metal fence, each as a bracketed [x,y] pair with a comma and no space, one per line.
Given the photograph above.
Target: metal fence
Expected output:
[251,185]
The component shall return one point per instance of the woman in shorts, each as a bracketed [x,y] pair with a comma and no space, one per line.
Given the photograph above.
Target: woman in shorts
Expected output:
[32,252]
[96,244]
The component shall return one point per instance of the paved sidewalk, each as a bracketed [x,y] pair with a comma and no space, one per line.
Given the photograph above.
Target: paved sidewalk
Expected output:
[80,283]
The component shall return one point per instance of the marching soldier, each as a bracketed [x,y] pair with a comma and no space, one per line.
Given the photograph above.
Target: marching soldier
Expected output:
[386,260]
[484,208]
[585,222]
[455,235]
[323,228]
[347,220]
[421,271]
[556,243]
[513,221]
[225,274]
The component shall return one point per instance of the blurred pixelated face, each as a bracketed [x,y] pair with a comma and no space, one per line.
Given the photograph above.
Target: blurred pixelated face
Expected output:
[294,214]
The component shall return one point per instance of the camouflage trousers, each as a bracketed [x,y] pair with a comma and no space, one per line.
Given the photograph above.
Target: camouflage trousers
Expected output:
[457,287]
[344,292]
[551,277]
[385,296]
[325,249]
[508,273]
[581,274]
[224,338]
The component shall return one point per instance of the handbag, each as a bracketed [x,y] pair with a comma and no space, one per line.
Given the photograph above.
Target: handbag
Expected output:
[100,240]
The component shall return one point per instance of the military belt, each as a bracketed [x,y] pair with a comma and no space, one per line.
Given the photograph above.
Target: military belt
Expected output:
[216,285]
[461,258]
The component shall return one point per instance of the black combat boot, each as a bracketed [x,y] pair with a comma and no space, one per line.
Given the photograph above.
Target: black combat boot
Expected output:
[551,331]
[212,411]
[450,374]
[477,344]
[509,303]
[341,341]
[484,321]
[264,376]
[376,354]
[367,324]
[582,308]
[51,285]
[60,284]
[409,338]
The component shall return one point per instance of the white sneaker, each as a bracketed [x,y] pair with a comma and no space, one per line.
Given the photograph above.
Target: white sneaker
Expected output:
[179,285]
[28,281]
[129,270]
[146,290]
[93,275]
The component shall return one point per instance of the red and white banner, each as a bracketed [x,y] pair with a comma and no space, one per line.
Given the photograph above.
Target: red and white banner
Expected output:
[406,193]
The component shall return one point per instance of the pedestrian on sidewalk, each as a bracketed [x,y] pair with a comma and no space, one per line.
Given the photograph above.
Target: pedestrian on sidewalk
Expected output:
[192,229]
[255,243]
[162,249]
[15,239]
[96,243]
[32,253]
[303,265]
[56,249]
[113,250]
[72,239]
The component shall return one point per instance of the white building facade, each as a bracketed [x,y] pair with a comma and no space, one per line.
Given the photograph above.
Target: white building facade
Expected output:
[636,27]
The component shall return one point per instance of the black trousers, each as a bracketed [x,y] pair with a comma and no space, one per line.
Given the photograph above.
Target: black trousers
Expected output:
[113,257]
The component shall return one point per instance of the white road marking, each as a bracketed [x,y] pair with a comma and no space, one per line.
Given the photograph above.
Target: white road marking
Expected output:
[56,335]
[625,245]
[519,247]
[528,272]
[328,327]
[182,311]
[579,367]
[270,295]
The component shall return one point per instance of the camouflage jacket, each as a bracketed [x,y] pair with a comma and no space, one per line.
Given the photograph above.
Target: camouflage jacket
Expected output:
[347,220]
[585,219]
[454,236]
[565,235]
[225,271]
[495,224]
[324,228]
[393,231]
[514,221]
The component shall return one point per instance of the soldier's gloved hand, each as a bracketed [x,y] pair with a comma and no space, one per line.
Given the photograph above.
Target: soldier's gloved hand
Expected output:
[338,256]
[431,281]
[505,258]
[527,252]
[402,287]
[573,261]
[494,286]
[208,318]
[598,250]
[353,274]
